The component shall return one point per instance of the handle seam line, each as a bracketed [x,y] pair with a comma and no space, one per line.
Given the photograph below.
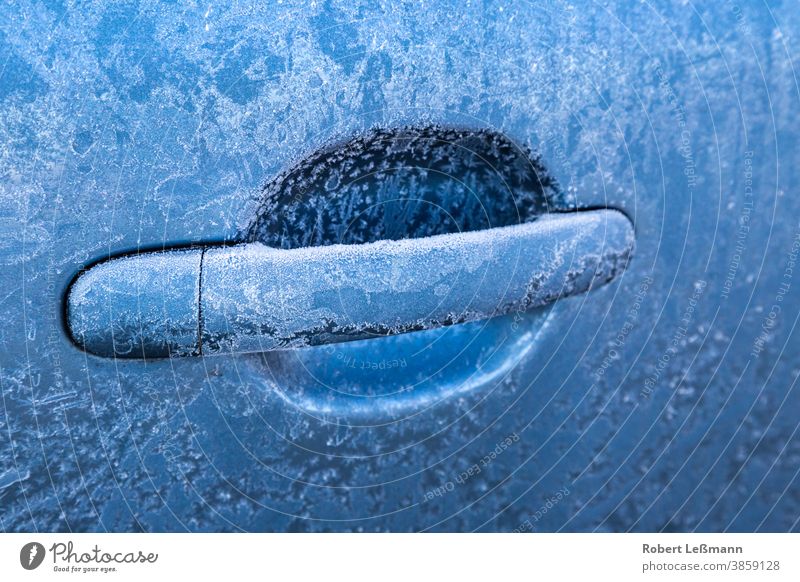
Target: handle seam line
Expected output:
[200,305]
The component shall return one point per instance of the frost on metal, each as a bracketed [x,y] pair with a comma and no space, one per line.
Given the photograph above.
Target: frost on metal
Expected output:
[253,298]
[393,183]
[138,306]
[127,125]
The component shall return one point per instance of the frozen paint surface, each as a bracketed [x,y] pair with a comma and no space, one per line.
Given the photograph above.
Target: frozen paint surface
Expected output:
[411,181]
[257,299]
[136,307]
[666,400]
[253,298]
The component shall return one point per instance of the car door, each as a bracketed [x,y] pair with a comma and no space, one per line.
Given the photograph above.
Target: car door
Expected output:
[663,400]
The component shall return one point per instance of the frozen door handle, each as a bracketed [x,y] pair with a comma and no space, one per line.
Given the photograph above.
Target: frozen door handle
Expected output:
[252,298]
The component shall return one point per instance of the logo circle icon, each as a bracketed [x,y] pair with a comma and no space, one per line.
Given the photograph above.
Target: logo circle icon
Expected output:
[31,555]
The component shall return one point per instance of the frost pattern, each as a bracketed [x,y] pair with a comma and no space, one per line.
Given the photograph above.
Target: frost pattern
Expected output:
[394,183]
[128,125]
[257,298]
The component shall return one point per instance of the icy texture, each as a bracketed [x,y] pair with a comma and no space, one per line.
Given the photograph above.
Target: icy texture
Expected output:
[140,124]
[139,306]
[395,183]
[255,298]
[252,298]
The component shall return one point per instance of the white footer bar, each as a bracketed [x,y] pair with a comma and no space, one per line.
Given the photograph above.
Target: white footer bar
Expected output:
[380,557]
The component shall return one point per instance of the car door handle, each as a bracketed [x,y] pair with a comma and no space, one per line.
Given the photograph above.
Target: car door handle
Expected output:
[253,298]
